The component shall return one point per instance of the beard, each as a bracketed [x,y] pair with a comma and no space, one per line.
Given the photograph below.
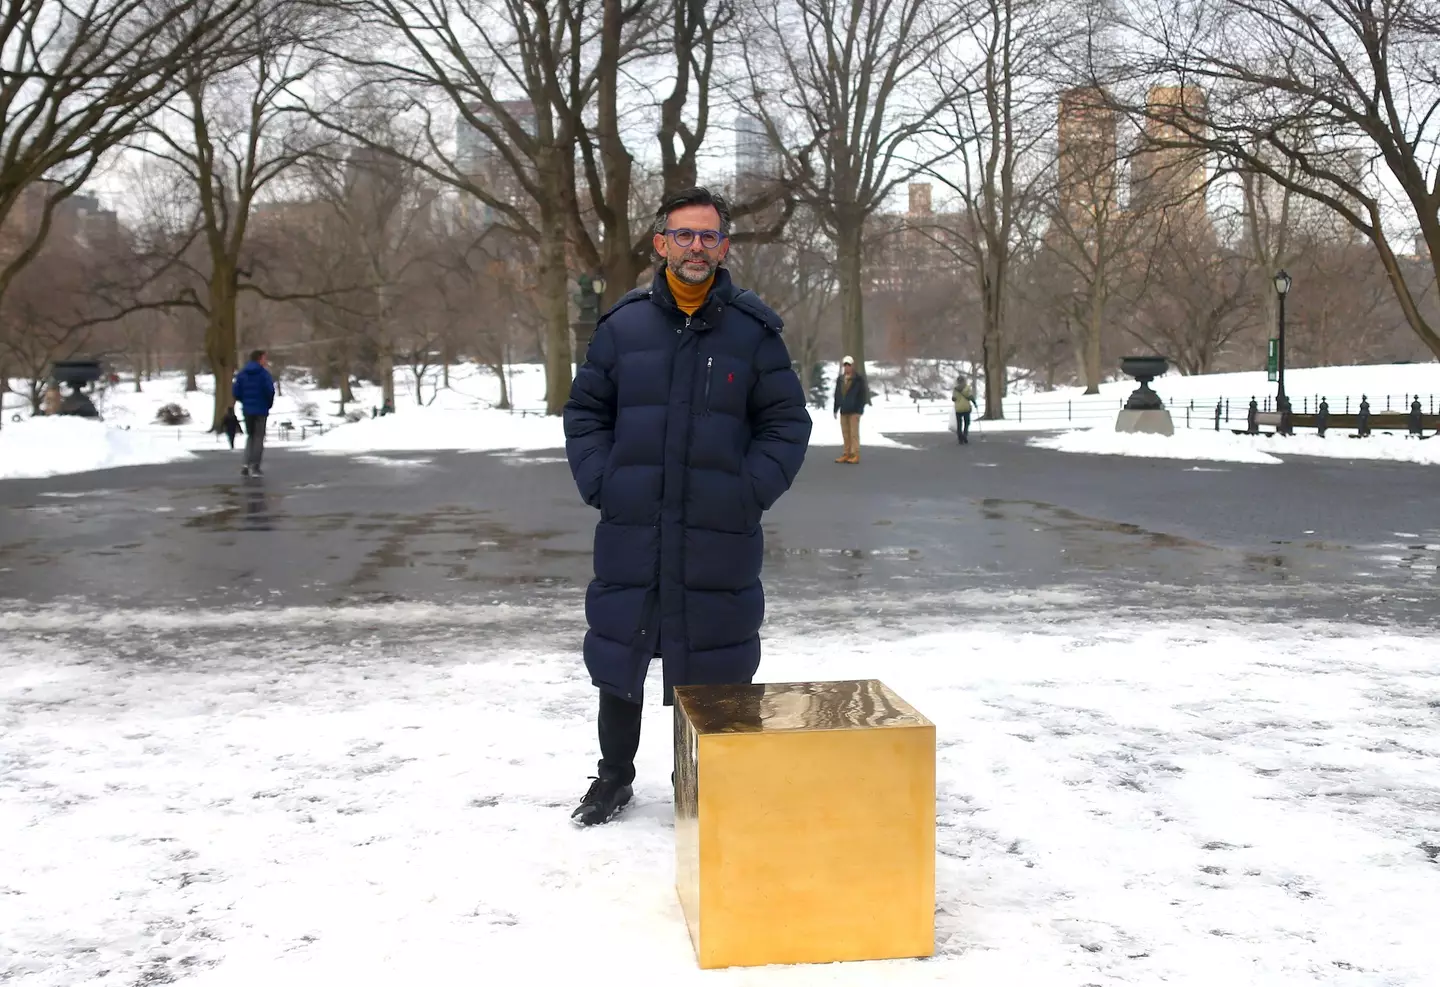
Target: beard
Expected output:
[692,268]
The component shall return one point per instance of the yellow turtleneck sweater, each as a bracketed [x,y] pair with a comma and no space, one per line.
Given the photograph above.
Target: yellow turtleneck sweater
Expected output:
[689,296]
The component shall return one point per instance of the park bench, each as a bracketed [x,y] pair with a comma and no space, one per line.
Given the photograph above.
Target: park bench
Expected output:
[1392,421]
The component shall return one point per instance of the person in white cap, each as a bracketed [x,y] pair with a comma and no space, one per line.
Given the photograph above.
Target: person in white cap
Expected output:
[852,394]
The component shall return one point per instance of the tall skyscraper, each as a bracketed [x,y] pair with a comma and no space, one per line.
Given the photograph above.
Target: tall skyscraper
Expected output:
[1169,167]
[1088,166]
[481,161]
[757,161]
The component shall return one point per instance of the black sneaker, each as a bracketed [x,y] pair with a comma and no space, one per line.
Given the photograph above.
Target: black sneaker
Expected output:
[605,798]
[244,471]
[255,471]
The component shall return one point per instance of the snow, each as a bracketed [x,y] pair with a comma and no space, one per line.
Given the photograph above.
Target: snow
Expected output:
[1192,445]
[1387,385]
[1201,446]
[466,415]
[42,446]
[427,428]
[370,795]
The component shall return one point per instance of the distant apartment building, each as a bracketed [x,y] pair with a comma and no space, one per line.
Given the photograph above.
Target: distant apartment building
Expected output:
[1088,162]
[916,269]
[759,164]
[479,159]
[78,218]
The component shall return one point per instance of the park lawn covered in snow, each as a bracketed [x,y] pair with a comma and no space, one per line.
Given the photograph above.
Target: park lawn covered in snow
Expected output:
[1198,445]
[381,795]
[44,446]
[1387,386]
[466,415]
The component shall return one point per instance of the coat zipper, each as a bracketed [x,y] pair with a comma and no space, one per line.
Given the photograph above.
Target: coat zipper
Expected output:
[709,366]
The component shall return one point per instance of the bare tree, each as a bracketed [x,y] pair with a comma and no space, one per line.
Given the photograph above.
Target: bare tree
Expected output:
[235,129]
[1335,100]
[46,316]
[384,211]
[509,79]
[845,84]
[78,79]
[1200,298]
[796,277]
[992,133]
[677,40]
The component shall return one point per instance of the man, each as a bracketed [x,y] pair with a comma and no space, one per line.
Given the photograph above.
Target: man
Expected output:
[852,394]
[964,397]
[685,424]
[254,388]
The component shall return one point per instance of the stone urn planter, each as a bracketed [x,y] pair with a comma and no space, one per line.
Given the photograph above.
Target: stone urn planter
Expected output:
[76,373]
[1144,411]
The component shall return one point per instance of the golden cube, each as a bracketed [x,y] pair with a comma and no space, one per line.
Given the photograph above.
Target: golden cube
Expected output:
[804,823]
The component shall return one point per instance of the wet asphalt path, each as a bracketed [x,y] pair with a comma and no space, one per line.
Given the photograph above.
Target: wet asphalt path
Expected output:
[1311,538]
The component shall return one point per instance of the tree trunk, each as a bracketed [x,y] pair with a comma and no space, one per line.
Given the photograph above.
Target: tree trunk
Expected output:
[1093,326]
[220,340]
[499,371]
[992,292]
[552,283]
[852,310]
[419,373]
[342,370]
[387,373]
[191,384]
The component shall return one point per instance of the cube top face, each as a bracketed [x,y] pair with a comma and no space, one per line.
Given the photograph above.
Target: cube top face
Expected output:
[783,707]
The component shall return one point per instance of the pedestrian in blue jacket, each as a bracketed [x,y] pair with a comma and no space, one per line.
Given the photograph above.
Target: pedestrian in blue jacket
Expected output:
[685,424]
[254,388]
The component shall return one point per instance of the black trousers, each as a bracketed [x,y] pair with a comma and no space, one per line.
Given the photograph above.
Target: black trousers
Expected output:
[962,425]
[254,439]
[619,737]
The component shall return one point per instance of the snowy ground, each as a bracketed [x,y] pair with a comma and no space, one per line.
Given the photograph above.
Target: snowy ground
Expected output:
[1202,446]
[380,795]
[53,446]
[465,416]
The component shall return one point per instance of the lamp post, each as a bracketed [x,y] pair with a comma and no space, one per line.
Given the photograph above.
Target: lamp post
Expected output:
[1282,288]
[588,300]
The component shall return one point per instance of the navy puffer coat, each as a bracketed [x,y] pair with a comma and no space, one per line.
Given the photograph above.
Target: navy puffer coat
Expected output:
[682,431]
[254,388]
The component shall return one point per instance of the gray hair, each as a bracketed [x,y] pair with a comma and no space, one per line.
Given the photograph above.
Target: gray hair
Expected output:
[698,196]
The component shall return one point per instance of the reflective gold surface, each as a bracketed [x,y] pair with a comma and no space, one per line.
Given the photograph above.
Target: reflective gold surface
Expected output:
[795,706]
[687,824]
[805,823]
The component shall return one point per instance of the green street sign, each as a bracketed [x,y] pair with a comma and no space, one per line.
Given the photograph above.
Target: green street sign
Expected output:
[1272,360]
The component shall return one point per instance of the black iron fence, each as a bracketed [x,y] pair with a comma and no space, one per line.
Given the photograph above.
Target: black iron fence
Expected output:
[1045,411]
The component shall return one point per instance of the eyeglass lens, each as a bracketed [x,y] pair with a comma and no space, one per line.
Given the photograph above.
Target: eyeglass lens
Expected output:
[709,239]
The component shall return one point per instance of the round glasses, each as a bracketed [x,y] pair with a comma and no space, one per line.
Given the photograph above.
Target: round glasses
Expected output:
[709,239]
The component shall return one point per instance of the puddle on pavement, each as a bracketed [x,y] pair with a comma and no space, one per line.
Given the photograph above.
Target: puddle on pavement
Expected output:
[1065,521]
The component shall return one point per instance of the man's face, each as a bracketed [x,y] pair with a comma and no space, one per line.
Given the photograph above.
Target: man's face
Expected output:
[849,370]
[693,263]
[265,360]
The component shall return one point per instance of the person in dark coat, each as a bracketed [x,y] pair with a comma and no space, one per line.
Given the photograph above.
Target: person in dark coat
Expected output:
[254,388]
[684,425]
[852,394]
